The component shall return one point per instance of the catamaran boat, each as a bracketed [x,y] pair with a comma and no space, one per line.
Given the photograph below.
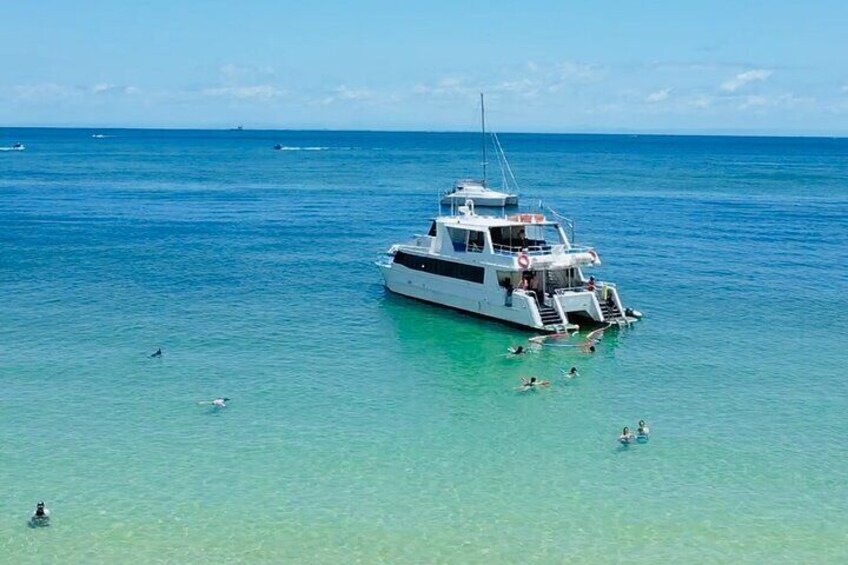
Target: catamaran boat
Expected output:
[477,191]
[522,269]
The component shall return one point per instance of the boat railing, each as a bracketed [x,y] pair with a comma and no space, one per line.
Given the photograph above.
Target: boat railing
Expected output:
[559,249]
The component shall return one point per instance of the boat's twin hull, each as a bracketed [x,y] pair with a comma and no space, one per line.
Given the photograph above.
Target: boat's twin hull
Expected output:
[491,301]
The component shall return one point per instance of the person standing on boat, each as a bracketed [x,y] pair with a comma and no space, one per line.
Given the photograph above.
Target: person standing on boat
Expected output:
[522,241]
[507,285]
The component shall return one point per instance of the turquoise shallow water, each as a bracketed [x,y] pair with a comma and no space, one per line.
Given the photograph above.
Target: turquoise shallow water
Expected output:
[369,428]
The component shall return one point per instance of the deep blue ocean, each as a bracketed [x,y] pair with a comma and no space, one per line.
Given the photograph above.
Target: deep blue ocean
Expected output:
[367,428]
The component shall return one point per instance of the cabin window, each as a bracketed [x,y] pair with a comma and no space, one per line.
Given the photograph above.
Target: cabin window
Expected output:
[458,238]
[440,267]
[476,241]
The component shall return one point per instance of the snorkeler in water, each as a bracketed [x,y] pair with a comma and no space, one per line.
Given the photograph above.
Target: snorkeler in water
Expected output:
[643,430]
[571,373]
[626,436]
[157,353]
[518,350]
[531,383]
[220,402]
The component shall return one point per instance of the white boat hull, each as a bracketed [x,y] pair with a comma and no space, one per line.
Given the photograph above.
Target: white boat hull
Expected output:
[461,295]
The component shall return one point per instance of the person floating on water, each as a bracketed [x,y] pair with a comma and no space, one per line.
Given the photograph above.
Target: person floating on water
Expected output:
[220,402]
[517,350]
[157,353]
[643,431]
[41,516]
[531,383]
[626,436]
[571,373]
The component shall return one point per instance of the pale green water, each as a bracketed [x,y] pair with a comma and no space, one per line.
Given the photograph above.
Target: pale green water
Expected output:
[368,428]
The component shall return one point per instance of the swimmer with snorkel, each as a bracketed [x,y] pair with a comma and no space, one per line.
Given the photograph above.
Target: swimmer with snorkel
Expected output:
[531,384]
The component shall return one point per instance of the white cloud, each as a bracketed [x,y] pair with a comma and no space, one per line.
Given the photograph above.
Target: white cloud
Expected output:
[701,101]
[106,88]
[571,73]
[343,93]
[753,102]
[658,96]
[525,87]
[785,100]
[231,73]
[51,91]
[745,78]
[256,92]
[450,86]
[43,91]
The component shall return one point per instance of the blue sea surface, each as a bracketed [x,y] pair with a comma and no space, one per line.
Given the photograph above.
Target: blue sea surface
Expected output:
[366,427]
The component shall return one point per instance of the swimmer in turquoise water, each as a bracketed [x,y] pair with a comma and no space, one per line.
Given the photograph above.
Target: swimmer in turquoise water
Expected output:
[643,430]
[626,436]
[41,516]
[518,350]
[571,373]
[157,353]
[220,402]
[531,383]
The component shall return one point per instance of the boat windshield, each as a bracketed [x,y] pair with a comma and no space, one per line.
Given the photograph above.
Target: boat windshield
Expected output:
[531,237]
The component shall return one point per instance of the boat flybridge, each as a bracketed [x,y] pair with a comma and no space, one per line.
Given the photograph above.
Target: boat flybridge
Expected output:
[477,192]
[521,269]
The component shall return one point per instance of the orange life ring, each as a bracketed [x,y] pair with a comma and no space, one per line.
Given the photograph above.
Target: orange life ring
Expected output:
[523,261]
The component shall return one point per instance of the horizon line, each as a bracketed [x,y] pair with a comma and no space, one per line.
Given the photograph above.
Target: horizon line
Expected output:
[651,133]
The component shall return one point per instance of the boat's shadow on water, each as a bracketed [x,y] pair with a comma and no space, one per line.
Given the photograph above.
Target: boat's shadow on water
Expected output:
[457,345]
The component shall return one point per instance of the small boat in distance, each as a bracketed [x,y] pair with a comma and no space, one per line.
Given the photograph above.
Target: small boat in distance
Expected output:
[476,191]
[14,147]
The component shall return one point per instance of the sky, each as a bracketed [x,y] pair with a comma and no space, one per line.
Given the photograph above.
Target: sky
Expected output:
[739,67]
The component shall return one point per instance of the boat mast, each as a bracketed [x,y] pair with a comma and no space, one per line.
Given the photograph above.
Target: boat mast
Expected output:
[483,125]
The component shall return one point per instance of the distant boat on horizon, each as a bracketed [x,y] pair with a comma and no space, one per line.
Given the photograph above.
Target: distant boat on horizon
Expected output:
[477,191]
[14,147]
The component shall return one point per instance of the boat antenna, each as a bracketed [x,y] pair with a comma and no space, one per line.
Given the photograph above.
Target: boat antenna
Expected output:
[483,126]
